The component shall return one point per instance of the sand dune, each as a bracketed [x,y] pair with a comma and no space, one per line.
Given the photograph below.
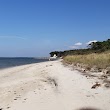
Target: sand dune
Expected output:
[50,86]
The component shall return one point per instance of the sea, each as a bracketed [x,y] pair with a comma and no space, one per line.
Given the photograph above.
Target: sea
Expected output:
[18,61]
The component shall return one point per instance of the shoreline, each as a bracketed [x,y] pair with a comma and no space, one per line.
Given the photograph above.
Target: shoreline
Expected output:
[50,86]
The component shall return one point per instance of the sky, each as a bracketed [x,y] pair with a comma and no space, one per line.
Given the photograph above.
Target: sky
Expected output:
[34,28]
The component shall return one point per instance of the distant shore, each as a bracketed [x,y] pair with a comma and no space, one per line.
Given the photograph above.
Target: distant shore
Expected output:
[50,86]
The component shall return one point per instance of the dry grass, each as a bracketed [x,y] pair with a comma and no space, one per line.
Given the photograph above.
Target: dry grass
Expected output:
[99,60]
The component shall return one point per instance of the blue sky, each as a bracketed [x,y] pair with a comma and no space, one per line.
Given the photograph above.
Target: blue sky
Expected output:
[36,27]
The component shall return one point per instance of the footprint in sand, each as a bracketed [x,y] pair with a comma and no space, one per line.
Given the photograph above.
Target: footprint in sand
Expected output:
[88,95]
[24,100]
[18,97]
[9,91]
[8,107]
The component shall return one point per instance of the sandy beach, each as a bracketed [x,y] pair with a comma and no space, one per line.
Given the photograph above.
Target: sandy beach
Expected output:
[50,86]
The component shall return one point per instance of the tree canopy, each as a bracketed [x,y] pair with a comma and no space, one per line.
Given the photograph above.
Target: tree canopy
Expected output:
[94,47]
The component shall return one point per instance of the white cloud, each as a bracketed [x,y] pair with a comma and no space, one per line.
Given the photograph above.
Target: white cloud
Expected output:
[73,47]
[78,44]
[91,42]
[13,37]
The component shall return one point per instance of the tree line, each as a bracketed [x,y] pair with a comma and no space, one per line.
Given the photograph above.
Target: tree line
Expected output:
[94,47]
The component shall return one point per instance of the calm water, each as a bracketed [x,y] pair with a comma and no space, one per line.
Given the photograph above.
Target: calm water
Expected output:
[11,62]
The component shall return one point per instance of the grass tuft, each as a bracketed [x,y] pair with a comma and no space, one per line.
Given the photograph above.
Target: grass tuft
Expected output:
[101,60]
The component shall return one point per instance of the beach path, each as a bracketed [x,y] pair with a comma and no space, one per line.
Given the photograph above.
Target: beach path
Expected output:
[49,86]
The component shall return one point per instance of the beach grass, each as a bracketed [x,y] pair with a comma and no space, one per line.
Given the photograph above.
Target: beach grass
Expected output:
[101,60]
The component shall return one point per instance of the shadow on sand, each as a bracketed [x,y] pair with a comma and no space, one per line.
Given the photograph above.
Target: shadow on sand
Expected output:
[88,108]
